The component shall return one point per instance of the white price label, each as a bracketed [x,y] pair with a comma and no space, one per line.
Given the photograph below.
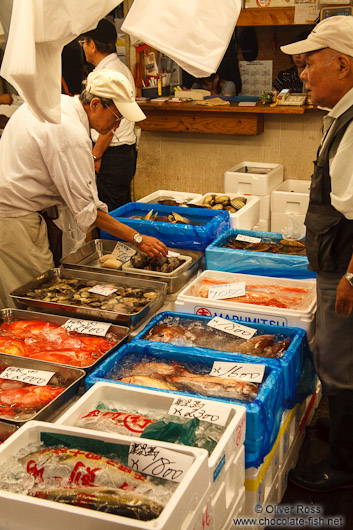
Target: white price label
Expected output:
[172,254]
[158,461]
[243,371]
[89,327]
[233,328]
[226,290]
[190,408]
[123,252]
[27,375]
[248,239]
[101,289]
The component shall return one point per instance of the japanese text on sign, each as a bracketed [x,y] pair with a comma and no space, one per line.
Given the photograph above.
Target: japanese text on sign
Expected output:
[123,252]
[226,290]
[248,239]
[158,462]
[233,328]
[27,375]
[191,408]
[101,289]
[242,371]
[89,327]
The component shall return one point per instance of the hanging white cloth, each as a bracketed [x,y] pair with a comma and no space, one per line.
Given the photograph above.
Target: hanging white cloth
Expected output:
[194,33]
[39,30]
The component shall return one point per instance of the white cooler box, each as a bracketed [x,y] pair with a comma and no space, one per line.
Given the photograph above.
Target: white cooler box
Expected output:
[256,178]
[182,196]
[21,512]
[303,317]
[226,464]
[292,196]
[288,224]
[244,218]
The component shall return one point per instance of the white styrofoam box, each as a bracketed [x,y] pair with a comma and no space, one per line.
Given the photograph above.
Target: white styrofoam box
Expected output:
[265,206]
[236,511]
[290,463]
[183,196]
[282,222]
[201,517]
[292,196]
[309,407]
[253,182]
[227,493]
[288,431]
[222,462]
[21,512]
[244,218]
[263,225]
[303,317]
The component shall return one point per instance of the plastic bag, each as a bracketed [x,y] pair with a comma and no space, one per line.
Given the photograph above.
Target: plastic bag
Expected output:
[194,33]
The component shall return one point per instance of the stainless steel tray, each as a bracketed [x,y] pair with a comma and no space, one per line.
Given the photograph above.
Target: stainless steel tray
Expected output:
[87,259]
[11,314]
[6,429]
[73,375]
[130,320]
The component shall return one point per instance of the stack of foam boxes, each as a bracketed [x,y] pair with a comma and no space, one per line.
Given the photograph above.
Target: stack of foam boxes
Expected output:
[255,178]
[289,203]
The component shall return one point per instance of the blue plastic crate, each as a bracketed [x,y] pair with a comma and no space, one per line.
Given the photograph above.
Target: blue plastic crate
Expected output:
[296,366]
[263,415]
[176,235]
[251,262]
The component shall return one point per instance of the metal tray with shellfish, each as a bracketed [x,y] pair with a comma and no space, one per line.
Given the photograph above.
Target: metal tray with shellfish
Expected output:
[89,258]
[81,294]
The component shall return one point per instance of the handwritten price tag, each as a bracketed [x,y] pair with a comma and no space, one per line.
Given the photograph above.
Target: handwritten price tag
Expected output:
[233,328]
[197,408]
[242,371]
[89,327]
[248,239]
[26,375]
[123,252]
[226,290]
[101,289]
[158,462]
[172,254]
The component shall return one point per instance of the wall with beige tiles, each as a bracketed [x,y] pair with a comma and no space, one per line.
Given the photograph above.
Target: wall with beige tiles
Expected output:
[197,162]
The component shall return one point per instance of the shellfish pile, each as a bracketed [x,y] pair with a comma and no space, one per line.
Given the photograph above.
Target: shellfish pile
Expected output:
[224,202]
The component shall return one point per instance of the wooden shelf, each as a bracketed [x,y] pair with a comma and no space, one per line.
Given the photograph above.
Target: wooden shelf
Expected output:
[266,16]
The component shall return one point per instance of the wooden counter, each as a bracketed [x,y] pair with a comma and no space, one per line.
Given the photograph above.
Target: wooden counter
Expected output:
[223,119]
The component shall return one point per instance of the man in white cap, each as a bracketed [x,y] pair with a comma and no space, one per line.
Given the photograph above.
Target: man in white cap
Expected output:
[44,165]
[328,77]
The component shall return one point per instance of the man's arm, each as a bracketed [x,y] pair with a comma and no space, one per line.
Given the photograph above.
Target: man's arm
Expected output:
[150,245]
[344,295]
[103,142]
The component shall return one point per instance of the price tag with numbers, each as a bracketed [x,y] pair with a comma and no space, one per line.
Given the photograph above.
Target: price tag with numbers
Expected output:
[27,375]
[123,252]
[102,289]
[204,410]
[248,239]
[233,328]
[243,371]
[89,327]
[226,290]
[158,461]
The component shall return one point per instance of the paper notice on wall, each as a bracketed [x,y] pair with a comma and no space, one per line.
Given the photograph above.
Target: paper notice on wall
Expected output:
[306,11]
[256,77]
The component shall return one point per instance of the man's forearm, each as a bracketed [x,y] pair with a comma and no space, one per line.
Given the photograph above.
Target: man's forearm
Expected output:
[115,228]
[103,142]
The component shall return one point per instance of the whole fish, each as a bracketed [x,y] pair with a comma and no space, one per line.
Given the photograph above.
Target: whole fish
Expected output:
[217,386]
[148,381]
[109,500]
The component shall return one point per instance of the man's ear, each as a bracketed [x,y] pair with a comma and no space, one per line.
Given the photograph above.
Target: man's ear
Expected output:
[344,64]
[94,104]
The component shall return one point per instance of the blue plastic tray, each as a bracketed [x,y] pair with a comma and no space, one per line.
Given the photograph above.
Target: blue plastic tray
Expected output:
[263,415]
[187,236]
[296,366]
[251,262]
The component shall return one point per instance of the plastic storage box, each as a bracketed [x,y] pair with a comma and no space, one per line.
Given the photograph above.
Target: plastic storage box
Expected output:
[252,262]
[182,196]
[205,225]
[284,223]
[226,463]
[246,217]
[292,196]
[263,415]
[256,178]
[23,512]
[303,317]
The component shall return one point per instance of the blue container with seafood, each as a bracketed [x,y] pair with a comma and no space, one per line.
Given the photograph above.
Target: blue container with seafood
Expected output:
[176,226]
[267,257]
[280,347]
[186,372]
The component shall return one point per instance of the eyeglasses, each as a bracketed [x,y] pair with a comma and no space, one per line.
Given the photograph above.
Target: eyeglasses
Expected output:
[82,42]
[118,118]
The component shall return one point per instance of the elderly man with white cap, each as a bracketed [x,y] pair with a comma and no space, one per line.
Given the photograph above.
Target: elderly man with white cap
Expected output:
[328,77]
[43,165]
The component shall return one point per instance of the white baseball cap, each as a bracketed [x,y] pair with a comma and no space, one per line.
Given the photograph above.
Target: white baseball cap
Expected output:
[114,85]
[333,32]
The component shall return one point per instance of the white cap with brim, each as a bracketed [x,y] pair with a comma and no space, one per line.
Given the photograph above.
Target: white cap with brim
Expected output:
[114,85]
[333,32]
